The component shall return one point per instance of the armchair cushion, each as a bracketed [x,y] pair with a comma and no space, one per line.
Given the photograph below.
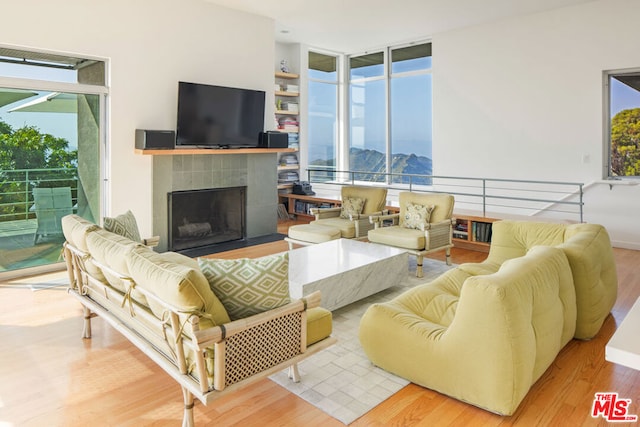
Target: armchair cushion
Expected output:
[443,203]
[351,206]
[249,286]
[407,238]
[417,216]
[124,225]
[375,197]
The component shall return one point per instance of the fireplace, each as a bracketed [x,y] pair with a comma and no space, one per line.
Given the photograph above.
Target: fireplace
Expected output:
[199,218]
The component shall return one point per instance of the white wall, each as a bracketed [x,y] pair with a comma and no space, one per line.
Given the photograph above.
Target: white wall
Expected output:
[150,46]
[523,98]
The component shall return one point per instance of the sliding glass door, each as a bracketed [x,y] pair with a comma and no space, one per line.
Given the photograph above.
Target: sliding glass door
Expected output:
[51,139]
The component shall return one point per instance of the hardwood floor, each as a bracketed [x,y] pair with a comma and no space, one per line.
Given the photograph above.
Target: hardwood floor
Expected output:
[49,376]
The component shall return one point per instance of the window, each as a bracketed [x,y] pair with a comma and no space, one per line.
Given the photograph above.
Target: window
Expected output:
[323,113]
[390,120]
[410,113]
[623,140]
[368,125]
[51,125]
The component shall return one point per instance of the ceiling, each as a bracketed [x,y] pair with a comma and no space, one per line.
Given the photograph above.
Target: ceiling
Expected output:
[353,26]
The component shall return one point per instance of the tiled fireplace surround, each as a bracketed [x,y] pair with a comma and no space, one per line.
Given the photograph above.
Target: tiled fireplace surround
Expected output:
[258,172]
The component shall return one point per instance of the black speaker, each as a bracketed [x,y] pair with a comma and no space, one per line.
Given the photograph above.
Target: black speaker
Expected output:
[155,139]
[273,139]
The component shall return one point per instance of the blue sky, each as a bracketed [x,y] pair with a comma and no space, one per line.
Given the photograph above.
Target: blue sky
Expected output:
[623,97]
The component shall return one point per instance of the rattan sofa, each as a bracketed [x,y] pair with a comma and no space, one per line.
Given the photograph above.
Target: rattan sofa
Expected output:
[163,304]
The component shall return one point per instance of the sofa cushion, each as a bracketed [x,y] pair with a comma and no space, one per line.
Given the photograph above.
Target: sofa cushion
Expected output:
[588,248]
[249,286]
[173,279]
[112,250]
[482,339]
[75,230]
[351,206]
[319,324]
[124,225]
[417,216]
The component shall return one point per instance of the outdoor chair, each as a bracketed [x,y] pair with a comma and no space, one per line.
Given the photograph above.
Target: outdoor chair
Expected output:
[50,205]
[424,225]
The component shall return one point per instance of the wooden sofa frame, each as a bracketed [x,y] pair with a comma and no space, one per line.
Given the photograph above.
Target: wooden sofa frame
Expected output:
[179,335]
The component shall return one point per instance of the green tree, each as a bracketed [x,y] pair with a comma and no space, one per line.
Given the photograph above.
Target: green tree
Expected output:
[27,149]
[625,143]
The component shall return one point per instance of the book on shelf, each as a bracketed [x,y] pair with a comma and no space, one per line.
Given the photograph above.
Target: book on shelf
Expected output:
[481,232]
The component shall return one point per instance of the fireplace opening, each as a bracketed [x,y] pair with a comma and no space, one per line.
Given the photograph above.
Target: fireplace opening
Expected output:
[207,217]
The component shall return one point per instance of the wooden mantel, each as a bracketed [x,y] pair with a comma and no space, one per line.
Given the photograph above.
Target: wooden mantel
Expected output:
[183,151]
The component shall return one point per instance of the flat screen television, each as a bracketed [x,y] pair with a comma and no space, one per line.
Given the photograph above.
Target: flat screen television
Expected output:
[219,116]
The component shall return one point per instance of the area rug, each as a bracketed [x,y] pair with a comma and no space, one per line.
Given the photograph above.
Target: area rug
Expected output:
[340,380]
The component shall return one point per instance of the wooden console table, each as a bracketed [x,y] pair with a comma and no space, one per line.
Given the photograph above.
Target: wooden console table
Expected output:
[292,199]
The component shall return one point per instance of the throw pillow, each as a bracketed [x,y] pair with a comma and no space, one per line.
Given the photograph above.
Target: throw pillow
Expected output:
[417,216]
[125,225]
[249,286]
[351,206]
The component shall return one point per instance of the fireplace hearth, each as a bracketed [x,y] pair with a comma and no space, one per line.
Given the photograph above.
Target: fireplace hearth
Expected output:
[208,217]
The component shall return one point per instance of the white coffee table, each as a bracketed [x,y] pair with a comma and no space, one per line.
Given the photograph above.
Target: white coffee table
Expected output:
[624,346]
[345,270]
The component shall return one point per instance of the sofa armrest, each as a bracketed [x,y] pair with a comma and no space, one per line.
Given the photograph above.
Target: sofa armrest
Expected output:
[151,242]
[207,337]
[284,328]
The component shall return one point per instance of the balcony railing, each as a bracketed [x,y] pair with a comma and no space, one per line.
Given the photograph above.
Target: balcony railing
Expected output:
[509,196]
[16,189]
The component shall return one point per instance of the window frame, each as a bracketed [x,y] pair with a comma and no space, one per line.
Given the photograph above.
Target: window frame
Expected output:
[387,76]
[607,171]
[339,83]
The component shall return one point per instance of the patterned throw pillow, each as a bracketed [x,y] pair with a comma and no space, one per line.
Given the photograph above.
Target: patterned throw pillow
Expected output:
[351,206]
[417,216]
[249,286]
[125,225]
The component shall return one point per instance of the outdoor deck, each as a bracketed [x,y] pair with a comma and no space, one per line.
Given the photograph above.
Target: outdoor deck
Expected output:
[17,248]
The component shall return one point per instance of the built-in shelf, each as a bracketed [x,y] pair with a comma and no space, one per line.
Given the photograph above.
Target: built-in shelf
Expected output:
[284,93]
[284,75]
[183,151]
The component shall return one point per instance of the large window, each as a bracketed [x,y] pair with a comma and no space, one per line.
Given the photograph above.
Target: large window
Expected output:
[390,120]
[624,123]
[50,143]
[323,113]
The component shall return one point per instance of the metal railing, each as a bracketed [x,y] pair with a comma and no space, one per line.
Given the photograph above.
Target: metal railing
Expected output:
[16,189]
[508,196]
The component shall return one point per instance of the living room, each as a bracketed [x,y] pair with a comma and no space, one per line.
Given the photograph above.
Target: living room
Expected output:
[521,96]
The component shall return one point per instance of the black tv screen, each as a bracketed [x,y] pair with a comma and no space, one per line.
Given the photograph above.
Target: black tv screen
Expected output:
[218,116]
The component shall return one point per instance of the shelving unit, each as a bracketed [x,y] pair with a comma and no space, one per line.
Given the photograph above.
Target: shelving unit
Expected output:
[287,96]
[299,205]
[472,232]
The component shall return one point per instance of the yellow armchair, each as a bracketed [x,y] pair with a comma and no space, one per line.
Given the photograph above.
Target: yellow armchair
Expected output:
[424,225]
[352,218]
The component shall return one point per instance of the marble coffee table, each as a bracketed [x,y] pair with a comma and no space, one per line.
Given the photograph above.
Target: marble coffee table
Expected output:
[345,270]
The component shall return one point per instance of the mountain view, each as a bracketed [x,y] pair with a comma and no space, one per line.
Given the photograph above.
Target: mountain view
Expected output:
[372,160]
